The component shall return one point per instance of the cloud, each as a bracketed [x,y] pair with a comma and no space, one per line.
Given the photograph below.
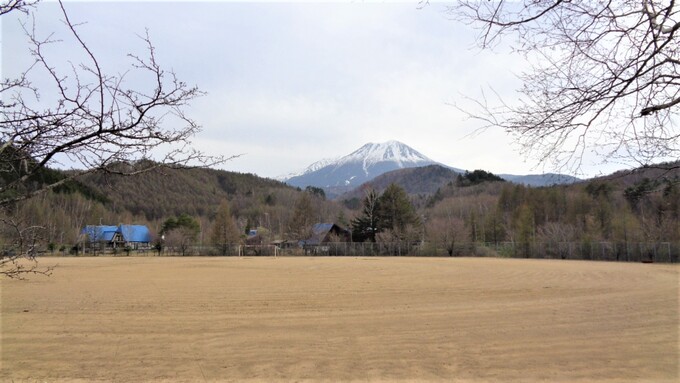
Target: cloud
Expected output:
[289,84]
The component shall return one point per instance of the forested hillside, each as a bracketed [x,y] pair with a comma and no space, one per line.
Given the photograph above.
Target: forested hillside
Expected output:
[447,208]
[194,191]
[162,194]
[629,207]
[423,180]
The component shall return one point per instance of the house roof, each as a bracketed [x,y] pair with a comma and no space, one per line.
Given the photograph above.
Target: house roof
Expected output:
[135,233]
[130,233]
[99,232]
[322,228]
[320,231]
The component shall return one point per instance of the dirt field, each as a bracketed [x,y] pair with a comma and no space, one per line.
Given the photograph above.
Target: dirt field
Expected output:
[341,319]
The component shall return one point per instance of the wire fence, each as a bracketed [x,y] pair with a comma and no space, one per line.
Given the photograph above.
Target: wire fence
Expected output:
[663,252]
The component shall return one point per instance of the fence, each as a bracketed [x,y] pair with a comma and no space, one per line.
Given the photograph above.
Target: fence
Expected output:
[664,252]
[667,252]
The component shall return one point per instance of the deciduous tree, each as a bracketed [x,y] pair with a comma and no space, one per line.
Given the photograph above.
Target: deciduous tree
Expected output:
[603,76]
[224,230]
[300,224]
[96,119]
[180,232]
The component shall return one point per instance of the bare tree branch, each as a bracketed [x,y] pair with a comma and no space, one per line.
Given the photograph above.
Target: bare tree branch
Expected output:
[19,259]
[95,122]
[604,77]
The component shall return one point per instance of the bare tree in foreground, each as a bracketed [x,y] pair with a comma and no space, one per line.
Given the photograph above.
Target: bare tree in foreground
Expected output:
[95,122]
[604,77]
[19,260]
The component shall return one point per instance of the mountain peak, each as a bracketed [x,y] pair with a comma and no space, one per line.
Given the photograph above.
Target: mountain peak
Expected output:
[363,164]
[393,151]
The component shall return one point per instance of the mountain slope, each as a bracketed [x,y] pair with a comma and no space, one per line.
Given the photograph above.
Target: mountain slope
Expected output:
[423,180]
[162,193]
[364,164]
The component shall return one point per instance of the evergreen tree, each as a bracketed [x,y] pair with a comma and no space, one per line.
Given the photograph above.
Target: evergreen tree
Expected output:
[395,211]
[366,226]
[391,212]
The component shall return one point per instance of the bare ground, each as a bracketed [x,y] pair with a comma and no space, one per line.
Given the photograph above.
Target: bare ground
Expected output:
[341,319]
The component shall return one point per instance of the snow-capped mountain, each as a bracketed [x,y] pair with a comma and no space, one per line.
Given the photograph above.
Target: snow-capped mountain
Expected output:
[364,164]
[338,176]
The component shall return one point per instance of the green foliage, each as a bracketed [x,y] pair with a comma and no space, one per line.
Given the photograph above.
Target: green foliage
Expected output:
[392,212]
[366,225]
[395,210]
[636,192]
[477,177]
[13,170]
[183,221]
[597,189]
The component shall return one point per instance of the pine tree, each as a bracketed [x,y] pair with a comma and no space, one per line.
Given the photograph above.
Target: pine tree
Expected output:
[366,226]
[395,211]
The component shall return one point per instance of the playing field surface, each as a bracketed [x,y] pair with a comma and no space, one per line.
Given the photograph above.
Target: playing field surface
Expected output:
[295,319]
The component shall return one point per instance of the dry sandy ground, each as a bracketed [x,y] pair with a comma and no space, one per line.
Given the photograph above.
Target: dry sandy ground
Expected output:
[341,319]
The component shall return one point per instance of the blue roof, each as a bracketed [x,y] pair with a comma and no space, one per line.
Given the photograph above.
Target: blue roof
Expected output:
[99,232]
[135,233]
[130,233]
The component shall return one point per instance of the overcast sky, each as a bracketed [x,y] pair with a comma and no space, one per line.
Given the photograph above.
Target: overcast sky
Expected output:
[292,83]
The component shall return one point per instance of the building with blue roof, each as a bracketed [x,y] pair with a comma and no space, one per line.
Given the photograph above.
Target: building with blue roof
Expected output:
[116,237]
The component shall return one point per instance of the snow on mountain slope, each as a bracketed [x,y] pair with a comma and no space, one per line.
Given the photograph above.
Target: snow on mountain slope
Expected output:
[309,169]
[372,160]
[364,164]
[403,156]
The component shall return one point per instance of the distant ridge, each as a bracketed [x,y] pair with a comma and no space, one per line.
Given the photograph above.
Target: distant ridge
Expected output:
[343,174]
[547,179]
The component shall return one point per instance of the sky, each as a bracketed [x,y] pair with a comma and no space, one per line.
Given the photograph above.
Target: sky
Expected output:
[288,84]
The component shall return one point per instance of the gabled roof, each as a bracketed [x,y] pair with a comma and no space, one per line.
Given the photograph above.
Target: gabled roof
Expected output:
[99,232]
[130,233]
[321,230]
[135,233]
